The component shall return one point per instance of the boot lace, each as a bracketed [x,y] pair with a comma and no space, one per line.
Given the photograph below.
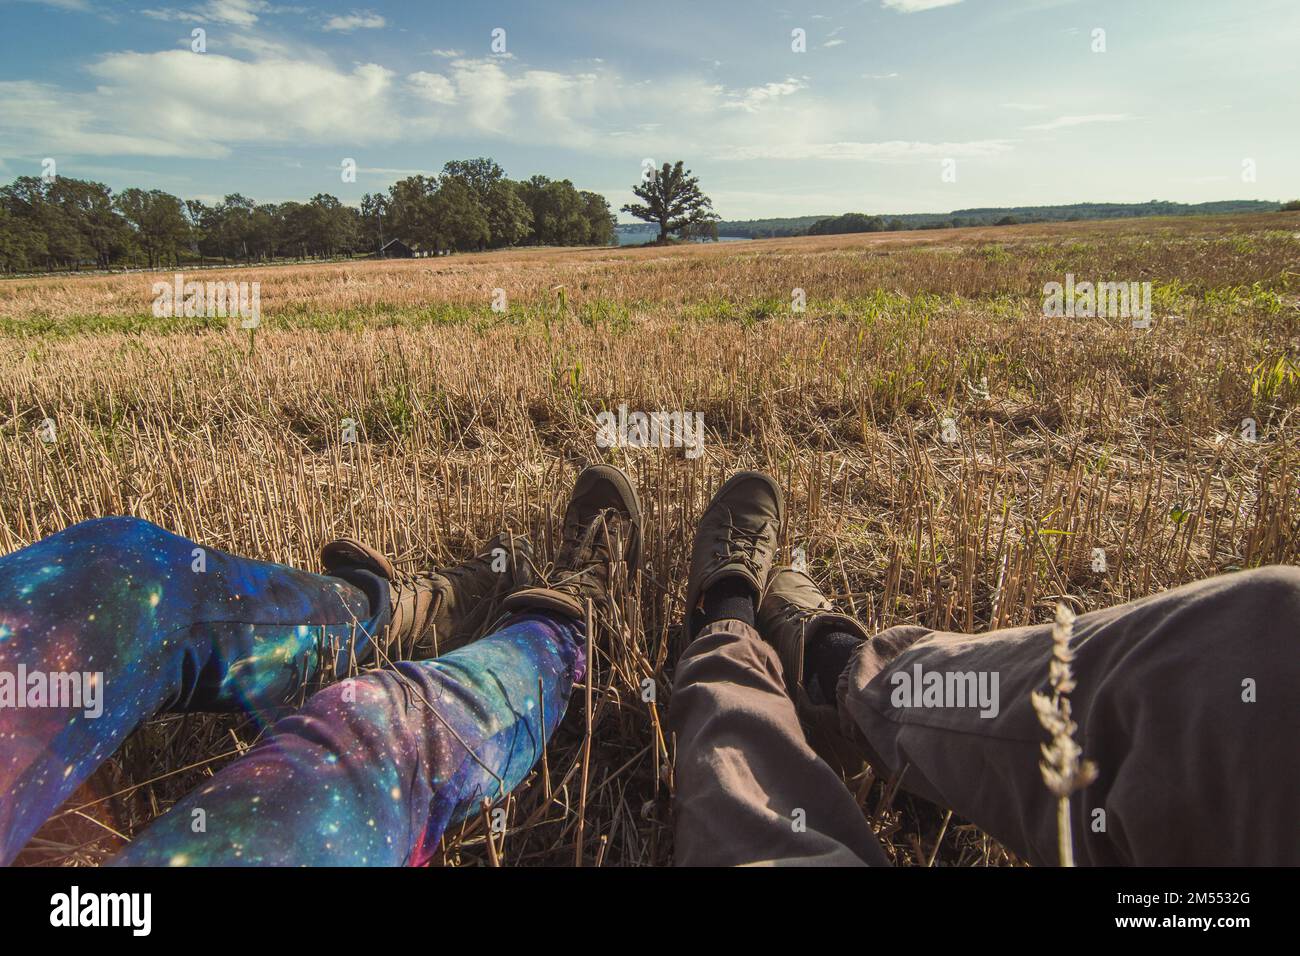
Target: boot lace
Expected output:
[744,544]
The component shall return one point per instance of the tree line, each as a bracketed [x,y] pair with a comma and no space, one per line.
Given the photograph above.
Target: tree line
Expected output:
[990,216]
[65,223]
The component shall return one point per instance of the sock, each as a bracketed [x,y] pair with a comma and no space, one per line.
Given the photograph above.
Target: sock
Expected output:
[376,591]
[824,660]
[732,598]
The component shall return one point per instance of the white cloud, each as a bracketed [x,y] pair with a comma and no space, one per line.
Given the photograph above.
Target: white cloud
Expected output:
[260,47]
[491,96]
[883,152]
[568,109]
[448,54]
[1062,122]
[486,90]
[754,98]
[79,6]
[355,21]
[240,13]
[916,6]
[433,87]
[167,13]
[175,103]
[40,119]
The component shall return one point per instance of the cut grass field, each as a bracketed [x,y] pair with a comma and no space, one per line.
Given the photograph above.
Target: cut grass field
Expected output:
[1071,435]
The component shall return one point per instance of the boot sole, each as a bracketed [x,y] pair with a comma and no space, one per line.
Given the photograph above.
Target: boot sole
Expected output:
[545,598]
[631,503]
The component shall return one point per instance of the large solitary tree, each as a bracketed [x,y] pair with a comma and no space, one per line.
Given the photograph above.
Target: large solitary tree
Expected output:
[671,197]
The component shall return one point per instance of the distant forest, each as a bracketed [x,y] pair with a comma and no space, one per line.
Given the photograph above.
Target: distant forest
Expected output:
[993,216]
[65,223]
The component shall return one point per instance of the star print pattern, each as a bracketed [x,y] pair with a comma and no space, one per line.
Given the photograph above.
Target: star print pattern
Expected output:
[169,625]
[373,769]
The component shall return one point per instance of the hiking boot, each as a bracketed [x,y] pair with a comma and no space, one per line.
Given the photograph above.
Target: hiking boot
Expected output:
[736,536]
[602,528]
[793,610]
[437,611]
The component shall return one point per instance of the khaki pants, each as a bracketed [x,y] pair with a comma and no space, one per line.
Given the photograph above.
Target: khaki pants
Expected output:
[1188,702]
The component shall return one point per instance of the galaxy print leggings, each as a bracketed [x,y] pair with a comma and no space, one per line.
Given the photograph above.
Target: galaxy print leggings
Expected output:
[124,620]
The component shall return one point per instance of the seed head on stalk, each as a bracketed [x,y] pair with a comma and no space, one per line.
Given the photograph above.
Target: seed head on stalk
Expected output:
[1063,770]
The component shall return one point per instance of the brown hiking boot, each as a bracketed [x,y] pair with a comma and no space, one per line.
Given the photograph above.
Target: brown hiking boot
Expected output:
[793,610]
[602,528]
[736,536]
[437,611]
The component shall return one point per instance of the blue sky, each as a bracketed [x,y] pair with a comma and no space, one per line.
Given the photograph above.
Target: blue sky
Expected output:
[1185,93]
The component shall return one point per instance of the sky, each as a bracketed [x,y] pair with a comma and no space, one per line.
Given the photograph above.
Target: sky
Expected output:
[891,106]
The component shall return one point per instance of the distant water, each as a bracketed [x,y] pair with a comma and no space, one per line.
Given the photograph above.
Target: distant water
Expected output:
[641,238]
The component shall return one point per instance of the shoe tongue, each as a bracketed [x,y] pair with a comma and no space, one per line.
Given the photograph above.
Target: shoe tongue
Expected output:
[594,540]
[347,553]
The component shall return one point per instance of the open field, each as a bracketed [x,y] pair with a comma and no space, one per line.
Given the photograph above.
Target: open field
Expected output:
[1071,435]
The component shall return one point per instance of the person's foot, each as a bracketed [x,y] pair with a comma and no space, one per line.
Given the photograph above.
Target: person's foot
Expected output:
[815,643]
[602,529]
[793,611]
[734,546]
[437,611]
